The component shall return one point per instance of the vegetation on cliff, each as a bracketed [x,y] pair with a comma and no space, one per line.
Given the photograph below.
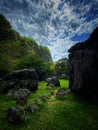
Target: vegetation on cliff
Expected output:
[19,52]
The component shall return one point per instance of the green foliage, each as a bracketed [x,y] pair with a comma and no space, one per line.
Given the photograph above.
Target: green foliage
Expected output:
[6,31]
[31,61]
[62,68]
[63,76]
[4,24]
[5,64]
[18,52]
[64,83]
[47,66]
[45,54]
[54,114]
[62,65]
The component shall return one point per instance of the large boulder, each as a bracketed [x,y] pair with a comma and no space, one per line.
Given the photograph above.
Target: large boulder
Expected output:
[16,115]
[53,81]
[26,78]
[83,60]
[32,85]
[41,74]
[22,75]
[21,96]
[21,93]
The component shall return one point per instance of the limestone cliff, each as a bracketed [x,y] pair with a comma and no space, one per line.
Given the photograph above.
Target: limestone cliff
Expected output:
[83,60]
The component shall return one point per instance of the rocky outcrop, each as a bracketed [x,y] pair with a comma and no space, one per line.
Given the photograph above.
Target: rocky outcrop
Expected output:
[41,74]
[16,115]
[83,60]
[21,93]
[22,74]
[53,82]
[26,78]
[21,96]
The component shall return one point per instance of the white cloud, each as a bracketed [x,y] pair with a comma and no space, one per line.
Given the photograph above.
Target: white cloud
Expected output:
[49,25]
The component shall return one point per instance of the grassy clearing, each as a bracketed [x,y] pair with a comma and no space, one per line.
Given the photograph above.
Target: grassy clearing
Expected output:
[54,114]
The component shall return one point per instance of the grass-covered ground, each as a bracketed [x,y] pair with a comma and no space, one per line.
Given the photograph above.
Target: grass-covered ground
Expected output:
[67,113]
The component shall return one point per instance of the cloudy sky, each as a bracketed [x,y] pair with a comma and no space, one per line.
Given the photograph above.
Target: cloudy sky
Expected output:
[58,24]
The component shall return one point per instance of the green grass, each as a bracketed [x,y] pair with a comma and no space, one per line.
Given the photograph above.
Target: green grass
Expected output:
[64,83]
[54,114]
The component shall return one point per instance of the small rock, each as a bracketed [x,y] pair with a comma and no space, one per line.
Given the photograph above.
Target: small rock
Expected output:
[22,101]
[21,93]
[11,93]
[37,101]
[16,115]
[50,86]
[53,81]
[61,92]
[31,108]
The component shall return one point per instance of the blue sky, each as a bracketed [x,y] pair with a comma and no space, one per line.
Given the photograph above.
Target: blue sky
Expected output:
[58,24]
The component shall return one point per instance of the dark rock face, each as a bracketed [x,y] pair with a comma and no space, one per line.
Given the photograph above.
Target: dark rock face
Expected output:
[83,60]
[16,115]
[22,74]
[32,85]
[42,74]
[53,81]
[26,78]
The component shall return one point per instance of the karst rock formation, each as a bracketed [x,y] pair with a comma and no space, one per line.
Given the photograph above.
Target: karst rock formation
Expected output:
[83,60]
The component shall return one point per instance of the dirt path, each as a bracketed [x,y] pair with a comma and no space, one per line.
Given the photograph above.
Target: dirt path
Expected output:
[54,95]
[52,98]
